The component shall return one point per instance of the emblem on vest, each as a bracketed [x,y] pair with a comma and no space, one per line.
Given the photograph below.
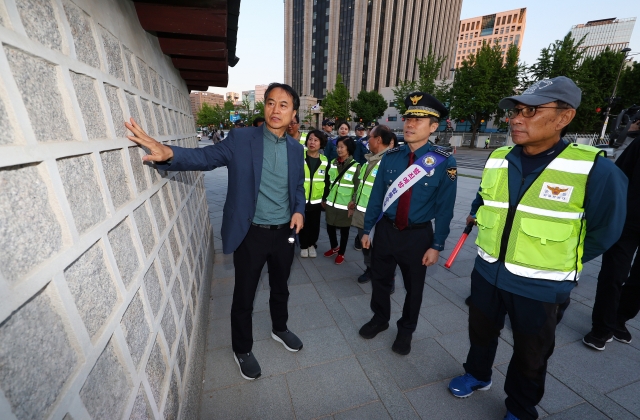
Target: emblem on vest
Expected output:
[320,171]
[348,177]
[556,192]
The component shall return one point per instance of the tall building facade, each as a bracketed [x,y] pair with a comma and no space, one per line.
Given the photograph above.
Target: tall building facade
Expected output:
[503,29]
[259,92]
[249,95]
[600,34]
[372,44]
[198,98]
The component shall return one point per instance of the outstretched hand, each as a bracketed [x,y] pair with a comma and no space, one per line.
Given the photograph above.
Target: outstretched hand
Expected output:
[159,152]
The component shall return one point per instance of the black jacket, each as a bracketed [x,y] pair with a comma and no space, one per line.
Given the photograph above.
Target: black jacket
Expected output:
[629,163]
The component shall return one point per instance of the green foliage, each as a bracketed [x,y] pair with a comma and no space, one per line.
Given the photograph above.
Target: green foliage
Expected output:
[629,86]
[562,58]
[369,106]
[336,102]
[211,116]
[428,70]
[479,84]
[228,106]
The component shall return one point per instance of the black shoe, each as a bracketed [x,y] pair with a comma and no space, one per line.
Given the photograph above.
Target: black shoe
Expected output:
[365,277]
[289,340]
[467,301]
[402,345]
[357,244]
[370,329]
[597,341]
[622,334]
[249,367]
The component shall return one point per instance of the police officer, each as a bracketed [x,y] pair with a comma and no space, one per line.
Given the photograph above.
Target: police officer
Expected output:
[541,214]
[330,149]
[410,196]
[362,148]
[379,142]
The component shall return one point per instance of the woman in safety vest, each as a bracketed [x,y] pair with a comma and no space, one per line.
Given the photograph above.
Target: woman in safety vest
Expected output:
[340,185]
[315,172]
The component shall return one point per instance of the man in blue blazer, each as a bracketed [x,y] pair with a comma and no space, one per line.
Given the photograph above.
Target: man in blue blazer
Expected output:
[264,209]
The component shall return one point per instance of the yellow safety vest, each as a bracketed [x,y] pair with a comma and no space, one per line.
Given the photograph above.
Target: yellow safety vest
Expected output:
[543,236]
[314,185]
[342,191]
[364,189]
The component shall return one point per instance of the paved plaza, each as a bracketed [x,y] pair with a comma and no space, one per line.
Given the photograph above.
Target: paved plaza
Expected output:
[339,375]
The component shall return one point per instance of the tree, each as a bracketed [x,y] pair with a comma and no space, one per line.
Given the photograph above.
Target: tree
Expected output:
[628,91]
[562,58]
[211,116]
[336,103]
[480,83]
[228,106]
[369,106]
[428,70]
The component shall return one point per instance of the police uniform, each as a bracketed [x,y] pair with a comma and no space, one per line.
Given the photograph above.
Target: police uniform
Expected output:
[539,219]
[330,148]
[431,197]
[361,147]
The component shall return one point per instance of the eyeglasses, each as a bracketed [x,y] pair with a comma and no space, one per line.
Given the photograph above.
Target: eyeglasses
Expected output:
[527,111]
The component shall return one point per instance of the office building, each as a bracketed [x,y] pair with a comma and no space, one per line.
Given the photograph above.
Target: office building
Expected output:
[249,95]
[600,34]
[372,44]
[503,29]
[259,92]
[198,98]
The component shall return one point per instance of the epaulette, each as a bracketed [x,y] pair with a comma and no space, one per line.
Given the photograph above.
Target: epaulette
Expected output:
[441,151]
[395,149]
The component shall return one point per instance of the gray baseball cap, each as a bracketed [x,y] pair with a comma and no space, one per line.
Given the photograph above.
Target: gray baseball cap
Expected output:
[559,88]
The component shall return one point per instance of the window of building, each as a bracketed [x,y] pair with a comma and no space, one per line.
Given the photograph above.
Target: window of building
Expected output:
[466,36]
[313,79]
[509,20]
[511,38]
[496,32]
[461,36]
[313,67]
[519,27]
[325,66]
[468,26]
[501,31]
[513,28]
[473,26]
[460,45]
[470,36]
[324,79]
[326,38]
[465,45]
[393,118]
[326,25]
[507,30]
[474,50]
[325,53]
[475,34]
[327,12]
[474,43]
[314,29]
[313,42]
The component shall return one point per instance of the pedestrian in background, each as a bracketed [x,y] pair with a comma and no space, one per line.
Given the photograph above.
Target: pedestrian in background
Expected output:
[343,131]
[263,208]
[379,142]
[618,293]
[341,182]
[540,217]
[327,129]
[293,129]
[315,173]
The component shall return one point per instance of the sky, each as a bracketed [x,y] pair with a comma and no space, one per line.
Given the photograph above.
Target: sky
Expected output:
[261,32]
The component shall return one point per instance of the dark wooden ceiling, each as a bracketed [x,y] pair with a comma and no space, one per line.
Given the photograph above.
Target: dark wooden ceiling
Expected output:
[199,36]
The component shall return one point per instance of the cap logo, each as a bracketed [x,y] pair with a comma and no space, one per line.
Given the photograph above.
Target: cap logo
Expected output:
[537,85]
[415,99]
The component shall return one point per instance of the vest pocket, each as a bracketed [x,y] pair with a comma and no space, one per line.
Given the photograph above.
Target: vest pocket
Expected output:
[545,244]
[488,239]
[489,183]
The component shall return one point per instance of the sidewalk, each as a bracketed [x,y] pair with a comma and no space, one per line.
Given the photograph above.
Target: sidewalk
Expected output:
[339,375]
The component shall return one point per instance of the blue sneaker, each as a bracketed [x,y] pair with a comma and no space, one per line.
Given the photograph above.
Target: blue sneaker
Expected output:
[510,416]
[463,386]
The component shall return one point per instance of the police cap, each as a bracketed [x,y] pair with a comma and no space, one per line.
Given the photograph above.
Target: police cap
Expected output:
[423,105]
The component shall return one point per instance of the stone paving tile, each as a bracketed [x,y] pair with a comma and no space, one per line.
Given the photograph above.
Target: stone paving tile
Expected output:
[329,388]
[457,344]
[359,308]
[322,345]
[627,397]
[373,411]
[309,317]
[345,287]
[428,362]
[263,399]
[446,317]
[580,412]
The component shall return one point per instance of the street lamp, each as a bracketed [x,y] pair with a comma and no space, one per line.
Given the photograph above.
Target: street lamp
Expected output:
[611,99]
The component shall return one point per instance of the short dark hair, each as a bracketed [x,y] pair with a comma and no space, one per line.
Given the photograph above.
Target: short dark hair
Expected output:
[348,142]
[384,133]
[394,140]
[295,117]
[286,88]
[257,120]
[320,136]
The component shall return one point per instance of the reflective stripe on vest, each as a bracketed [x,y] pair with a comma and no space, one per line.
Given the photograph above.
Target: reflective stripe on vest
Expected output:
[546,237]
[314,187]
[366,185]
[342,192]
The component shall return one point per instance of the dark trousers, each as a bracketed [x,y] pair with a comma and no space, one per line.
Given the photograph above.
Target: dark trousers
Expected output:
[534,325]
[405,249]
[260,246]
[616,302]
[333,238]
[311,232]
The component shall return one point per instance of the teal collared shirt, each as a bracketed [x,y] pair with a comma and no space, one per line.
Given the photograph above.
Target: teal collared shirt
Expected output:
[272,207]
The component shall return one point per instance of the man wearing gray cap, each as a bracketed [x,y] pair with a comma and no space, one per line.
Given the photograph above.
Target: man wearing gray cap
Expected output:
[541,215]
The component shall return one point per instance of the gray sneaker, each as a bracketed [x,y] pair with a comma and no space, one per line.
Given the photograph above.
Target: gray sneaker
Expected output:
[289,340]
[249,367]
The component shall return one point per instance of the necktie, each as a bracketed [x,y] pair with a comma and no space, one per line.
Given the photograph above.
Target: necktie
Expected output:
[402,213]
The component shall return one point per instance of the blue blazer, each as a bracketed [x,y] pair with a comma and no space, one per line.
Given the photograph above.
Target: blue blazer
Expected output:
[242,153]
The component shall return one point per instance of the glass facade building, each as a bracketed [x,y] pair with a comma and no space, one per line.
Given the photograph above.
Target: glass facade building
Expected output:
[600,34]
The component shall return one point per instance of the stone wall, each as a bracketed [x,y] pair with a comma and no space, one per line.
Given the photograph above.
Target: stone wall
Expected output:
[102,258]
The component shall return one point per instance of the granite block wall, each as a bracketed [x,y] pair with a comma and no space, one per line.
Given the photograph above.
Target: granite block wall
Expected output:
[102,291]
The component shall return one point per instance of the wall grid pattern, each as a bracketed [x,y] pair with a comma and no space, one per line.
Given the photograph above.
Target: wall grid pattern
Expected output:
[102,274]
